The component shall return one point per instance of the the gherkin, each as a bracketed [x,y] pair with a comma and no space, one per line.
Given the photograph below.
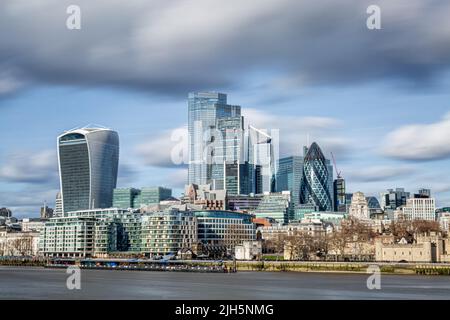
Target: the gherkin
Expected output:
[315,189]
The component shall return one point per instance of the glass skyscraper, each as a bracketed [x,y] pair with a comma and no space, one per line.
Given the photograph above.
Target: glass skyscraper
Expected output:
[126,198]
[317,186]
[261,154]
[289,177]
[204,110]
[88,160]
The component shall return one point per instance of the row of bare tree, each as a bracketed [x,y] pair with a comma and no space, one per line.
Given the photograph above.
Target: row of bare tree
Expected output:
[353,234]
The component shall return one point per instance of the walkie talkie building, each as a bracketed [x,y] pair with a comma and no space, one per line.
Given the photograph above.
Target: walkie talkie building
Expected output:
[88,160]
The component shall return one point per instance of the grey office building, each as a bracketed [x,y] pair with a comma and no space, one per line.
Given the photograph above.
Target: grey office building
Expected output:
[88,160]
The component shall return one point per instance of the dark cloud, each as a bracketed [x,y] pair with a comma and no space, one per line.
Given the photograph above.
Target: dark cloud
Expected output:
[176,46]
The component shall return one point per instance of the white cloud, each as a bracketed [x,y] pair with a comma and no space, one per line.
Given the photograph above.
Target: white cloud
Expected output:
[30,167]
[294,131]
[378,173]
[420,142]
[168,149]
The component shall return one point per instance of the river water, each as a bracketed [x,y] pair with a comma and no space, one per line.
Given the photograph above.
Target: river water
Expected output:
[40,283]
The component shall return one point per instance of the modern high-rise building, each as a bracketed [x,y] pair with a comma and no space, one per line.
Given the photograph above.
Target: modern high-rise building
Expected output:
[317,185]
[204,110]
[417,209]
[229,170]
[88,161]
[46,212]
[393,199]
[276,206]
[340,204]
[58,205]
[262,153]
[289,177]
[126,198]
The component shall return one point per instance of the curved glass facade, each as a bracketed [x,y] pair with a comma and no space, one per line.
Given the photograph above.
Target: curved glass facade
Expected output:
[88,164]
[315,189]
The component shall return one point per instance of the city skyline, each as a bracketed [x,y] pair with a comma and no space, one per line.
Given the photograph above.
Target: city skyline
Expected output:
[385,118]
[128,175]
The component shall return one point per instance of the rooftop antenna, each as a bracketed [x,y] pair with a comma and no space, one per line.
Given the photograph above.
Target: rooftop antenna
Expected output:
[338,173]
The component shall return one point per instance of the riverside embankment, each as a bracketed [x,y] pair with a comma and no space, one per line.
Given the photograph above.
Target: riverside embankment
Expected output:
[262,266]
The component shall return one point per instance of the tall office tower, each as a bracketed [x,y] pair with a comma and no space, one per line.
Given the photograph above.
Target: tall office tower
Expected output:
[204,109]
[46,212]
[317,186]
[392,199]
[229,168]
[58,205]
[88,161]
[261,154]
[339,195]
[289,177]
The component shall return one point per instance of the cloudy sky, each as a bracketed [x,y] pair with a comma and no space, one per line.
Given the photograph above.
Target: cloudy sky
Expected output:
[378,99]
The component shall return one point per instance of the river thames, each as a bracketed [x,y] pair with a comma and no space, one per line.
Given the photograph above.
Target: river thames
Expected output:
[41,283]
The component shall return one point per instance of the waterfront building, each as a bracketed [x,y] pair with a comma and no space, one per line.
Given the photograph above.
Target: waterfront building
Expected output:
[19,243]
[32,225]
[204,109]
[289,177]
[275,205]
[88,161]
[168,232]
[91,233]
[223,230]
[426,248]
[317,184]
[311,227]
[418,209]
[359,208]
[248,250]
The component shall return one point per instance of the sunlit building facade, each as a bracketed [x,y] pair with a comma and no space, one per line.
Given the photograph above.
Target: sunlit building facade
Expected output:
[317,185]
[88,161]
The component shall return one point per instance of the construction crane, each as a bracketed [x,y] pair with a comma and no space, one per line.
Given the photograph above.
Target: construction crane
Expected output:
[338,173]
